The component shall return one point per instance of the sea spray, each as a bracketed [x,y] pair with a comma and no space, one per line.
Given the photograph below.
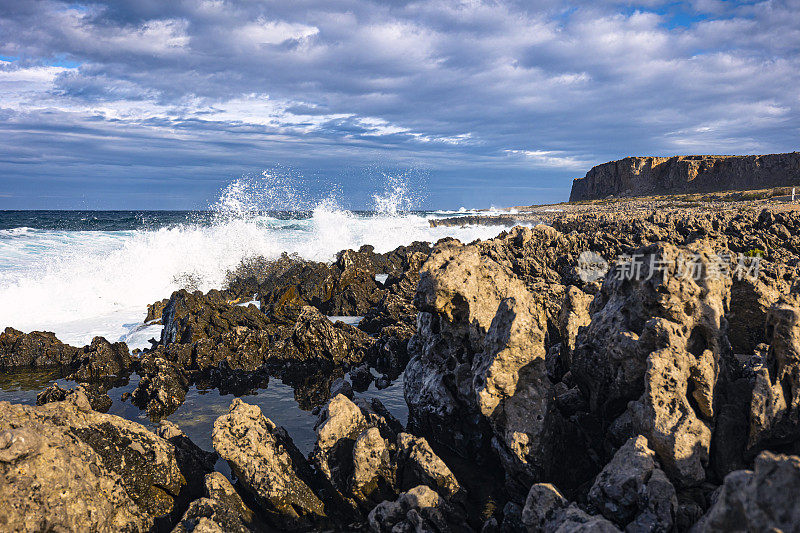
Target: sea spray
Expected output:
[85,283]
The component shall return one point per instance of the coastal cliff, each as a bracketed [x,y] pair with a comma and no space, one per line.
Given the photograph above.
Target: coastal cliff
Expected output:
[642,176]
[631,366]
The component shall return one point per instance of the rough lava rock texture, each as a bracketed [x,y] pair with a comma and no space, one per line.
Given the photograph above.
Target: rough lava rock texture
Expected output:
[547,511]
[418,509]
[221,509]
[635,394]
[38,349]
[98,361]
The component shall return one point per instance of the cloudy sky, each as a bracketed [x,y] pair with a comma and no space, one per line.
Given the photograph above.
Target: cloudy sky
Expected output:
[154,104]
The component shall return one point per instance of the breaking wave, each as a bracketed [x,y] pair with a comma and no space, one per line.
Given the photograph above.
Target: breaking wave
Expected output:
[85,283]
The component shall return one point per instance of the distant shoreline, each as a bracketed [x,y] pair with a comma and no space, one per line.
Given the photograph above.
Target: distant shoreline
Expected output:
[544,213]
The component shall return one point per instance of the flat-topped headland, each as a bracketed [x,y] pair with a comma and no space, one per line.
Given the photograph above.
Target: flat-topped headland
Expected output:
[643,176]
[775,198]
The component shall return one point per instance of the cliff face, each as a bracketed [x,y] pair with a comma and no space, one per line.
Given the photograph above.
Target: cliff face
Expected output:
[642,176]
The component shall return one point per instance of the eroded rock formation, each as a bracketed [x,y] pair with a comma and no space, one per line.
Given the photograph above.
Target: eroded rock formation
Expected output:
[642,176]
[660,395]
[66,467]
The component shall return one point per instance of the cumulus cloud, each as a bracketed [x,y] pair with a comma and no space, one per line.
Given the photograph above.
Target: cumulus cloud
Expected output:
[480,94]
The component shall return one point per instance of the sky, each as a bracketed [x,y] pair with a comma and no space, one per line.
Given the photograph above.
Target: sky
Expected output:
[147,104]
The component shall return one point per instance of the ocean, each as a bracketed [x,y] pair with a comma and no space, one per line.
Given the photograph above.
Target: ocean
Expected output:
[82,274]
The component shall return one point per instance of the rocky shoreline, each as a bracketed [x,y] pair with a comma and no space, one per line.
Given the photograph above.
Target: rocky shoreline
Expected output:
[550,387]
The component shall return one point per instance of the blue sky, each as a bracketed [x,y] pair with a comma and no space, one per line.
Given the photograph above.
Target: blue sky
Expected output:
[150,104]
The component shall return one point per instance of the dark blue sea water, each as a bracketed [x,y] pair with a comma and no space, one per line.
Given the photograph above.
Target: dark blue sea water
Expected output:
[87,273]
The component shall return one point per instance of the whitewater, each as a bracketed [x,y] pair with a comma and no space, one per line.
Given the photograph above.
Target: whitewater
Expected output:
[68,277]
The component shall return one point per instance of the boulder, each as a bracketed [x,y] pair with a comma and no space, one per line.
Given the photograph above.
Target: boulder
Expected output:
[391,310]
[65,466]
[419,465]
[220,509]
[269,467]
[354,289]
[633,492]
[192,316]
[38,349]
[315,337]
[289,283]
[758,500]
[547,511]
[339,424]
[162,387]
[362,451]
[99,361]
[102,361]
[98,399]
[418,509]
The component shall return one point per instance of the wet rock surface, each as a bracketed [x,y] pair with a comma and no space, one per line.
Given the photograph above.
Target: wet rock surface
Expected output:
[218,341]
[39,349]
[541,397]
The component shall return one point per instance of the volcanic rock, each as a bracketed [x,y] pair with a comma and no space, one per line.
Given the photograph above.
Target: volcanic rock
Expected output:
[418,509]
[98,398]
[162,387]
[547,511]
[220,509]
[102,360]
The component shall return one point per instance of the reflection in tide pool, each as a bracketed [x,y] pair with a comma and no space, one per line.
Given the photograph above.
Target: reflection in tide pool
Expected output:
[202,407]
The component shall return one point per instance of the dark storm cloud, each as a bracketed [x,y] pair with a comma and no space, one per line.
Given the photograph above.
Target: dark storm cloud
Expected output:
[478,93]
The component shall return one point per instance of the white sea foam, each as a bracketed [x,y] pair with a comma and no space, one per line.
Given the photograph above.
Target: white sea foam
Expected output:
[85,283]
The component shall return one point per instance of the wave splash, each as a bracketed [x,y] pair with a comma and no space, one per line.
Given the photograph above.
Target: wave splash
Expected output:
[85,283]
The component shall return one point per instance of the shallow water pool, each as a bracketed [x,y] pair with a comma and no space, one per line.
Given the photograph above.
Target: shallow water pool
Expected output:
[285,405]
